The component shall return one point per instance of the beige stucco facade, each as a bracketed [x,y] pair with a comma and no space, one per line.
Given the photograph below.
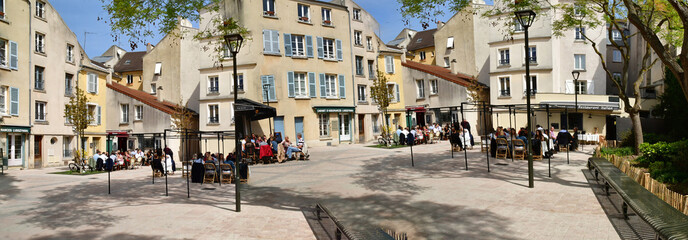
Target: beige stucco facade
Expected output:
[397,108]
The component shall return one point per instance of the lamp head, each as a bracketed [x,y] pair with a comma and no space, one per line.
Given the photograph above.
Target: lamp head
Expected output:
[234,42]
[575,74]
[525,17]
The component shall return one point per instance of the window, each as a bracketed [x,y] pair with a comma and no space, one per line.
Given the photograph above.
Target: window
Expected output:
[39,78]
[297,46]
[66,147]
[446,62]
[389,64]
[269,7]
[433,86]
[154,88]
[240,81]
[68,84]
[92,110]
[158,68]
[517,26]
[362,93]
[393,93]
[422,56]
[138,112]
[3,100]
[533,85]
[40,9]
[330,86]
[357,14]
[580,31]
[420,88]
[616,56]
[3,52]
[300,85]
[213,84]
[579,61]
[328,48]
[616,76]
[130,79]
[124,113]
[359,65]
[581,87]
[92,83]
[616,35]
[40,43]
[40,111]
[304,13]
[369,43]
[2,9]
[371,69]
[450,42]
[327,16]
[504,57]
[324,124]
[70,53]
[504,86]
[533,54]
[213,113]
[358,41]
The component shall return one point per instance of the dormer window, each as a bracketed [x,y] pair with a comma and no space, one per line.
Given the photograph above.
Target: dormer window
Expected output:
[419,40]
[127,62]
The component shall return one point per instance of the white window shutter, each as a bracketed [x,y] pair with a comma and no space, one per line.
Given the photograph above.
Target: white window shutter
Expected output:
[98,114]
[275,42]
[14,101]
[591,87]
[570,87]
[267,41]
[14,56]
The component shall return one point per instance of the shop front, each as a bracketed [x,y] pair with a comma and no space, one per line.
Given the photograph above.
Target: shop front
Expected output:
[344,123]
[13,145]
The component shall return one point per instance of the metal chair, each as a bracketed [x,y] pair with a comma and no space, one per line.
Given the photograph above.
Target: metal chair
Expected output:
[226,173]
[209,173]
[519,149]
[484,144]
[502,148]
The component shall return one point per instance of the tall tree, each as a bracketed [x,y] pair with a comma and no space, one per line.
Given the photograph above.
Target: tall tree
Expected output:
[76,113]
[383,96]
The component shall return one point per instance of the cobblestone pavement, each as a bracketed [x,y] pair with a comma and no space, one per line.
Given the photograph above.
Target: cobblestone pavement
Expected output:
[362,186]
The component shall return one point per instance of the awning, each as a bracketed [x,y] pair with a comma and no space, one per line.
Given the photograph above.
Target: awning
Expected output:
[333,109]
[605,106]
[416,109]
[253,110]
[15,129]
[118,133]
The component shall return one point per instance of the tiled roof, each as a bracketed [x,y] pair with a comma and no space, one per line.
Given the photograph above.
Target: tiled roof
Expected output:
[131,61]
[440,72]
[144,97]
[422,39]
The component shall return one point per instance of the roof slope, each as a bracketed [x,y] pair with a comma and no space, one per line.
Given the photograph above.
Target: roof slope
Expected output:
[143,97]
[422,39]
[440,72]
[131,61]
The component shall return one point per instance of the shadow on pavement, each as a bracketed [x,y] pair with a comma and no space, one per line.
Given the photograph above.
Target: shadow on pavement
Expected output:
[7,187]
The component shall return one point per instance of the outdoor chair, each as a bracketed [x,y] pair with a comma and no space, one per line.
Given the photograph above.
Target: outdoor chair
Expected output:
[538,148]
[519,149]
[186,168]
[209,174]
[226,173]
[502,148]
[281,153]
[563,148]
[484,144]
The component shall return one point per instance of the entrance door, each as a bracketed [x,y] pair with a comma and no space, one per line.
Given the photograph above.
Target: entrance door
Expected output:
[15,147]
[611,128]
[420,117]
[38,151]
[345,127]
[361,128]
[121,144]
[298,127]
[279,125]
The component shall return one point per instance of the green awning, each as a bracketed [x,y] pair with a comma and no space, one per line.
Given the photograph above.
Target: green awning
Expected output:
[332,109]
[15,129]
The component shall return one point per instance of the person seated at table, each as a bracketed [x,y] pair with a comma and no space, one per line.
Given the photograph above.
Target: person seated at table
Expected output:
[274,145]
[542,140]
[403,136]
[563,138]
[169,164]
[157,162]
[289,148]
[263,141]
[96,159]
[109,162]
[229,160]
[574,142]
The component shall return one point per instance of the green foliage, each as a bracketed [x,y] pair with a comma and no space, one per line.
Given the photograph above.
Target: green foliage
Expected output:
[672,106]
[622,151]
[666,162]
[78,115]
[651,153]
[381,93]
[627,139]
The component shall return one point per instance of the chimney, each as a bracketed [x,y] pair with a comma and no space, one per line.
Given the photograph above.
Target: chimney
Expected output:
[158,93]
[452,63]
[149,47]
[440,24]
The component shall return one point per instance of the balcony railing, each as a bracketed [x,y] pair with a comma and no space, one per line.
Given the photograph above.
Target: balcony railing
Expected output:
[504,62]
[39,85]
[505,93]
[213,120]
[532,92]
[213,89]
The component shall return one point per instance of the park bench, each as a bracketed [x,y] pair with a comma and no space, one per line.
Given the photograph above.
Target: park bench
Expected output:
[667,222]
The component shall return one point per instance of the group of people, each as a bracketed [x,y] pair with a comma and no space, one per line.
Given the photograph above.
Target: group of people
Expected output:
[419,134]
[253,143]
[545,140]
[117,160]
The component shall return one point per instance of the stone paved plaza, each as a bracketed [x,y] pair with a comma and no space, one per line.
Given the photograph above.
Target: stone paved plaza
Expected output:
[363,186]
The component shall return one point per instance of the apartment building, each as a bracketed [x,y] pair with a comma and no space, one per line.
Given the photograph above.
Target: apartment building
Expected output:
[16,51]
[389,62]
[551,63]
[129,70]
[421,47]
[298,61]
[364,48]
[93,80]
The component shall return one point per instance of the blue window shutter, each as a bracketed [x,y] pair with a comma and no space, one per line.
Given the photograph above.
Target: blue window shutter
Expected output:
[272,93]
[267,41]
[340,56]
[311,84]
[287,44]
[342,87]
[323,94]
[309,46]
[14,55]
[290,83]
[14,101]
[264,81]
[275,42]
[319,41]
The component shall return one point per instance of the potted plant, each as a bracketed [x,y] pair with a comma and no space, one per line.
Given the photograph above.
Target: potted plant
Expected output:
[327,22]
[305,19]
[2,14]
[270,13]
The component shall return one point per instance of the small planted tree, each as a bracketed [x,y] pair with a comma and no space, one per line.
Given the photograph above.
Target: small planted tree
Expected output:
[383,96]
[76,113]
[182,121]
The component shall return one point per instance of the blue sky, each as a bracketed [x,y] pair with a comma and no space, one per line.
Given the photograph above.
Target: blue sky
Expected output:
[82,16]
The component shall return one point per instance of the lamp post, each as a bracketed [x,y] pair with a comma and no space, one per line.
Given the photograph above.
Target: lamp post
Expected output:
[266,89]
[575,75]
[234,42]
[525,18]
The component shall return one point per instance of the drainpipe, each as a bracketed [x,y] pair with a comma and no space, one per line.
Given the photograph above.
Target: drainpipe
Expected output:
[353,81]
[28,141]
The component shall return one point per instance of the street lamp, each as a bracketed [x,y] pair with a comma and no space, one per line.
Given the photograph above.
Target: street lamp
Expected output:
[266,89]
[575,75]
[234,42]
[525,18]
